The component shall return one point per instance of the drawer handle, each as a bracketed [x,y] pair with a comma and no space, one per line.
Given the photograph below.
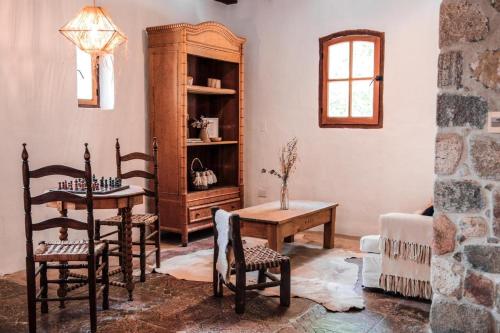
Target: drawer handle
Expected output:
[196,215]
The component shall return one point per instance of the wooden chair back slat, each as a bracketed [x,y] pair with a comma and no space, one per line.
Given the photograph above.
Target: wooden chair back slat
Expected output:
[60,222]
[57,170]
[57,196]
[153,177]
[149,193]
[136,156]
[137,173]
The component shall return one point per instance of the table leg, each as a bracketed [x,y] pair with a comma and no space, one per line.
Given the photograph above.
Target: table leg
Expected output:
[275,239]
[123,243]
[63,272]
[329,232]
[127,218]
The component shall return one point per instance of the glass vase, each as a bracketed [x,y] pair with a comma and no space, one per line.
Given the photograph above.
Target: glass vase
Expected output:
[284,201]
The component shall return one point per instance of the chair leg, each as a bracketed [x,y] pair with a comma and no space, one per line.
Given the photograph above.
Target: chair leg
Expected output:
[217,284]
[142,255]
[240,290]
[262,277]
[92,294]
[285,284]
[105,279]
[44,285]
[157,242]
[31,291]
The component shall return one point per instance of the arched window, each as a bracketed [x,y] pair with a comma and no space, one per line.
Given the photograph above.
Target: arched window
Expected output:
[351,79]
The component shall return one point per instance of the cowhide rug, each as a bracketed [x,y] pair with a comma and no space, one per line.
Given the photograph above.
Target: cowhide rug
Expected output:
[320,275]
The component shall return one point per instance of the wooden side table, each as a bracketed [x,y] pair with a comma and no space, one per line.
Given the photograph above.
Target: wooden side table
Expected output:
[269,222]
[124,201]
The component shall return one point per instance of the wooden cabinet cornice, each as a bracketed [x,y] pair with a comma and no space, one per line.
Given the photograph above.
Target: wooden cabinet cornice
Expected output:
[202,51]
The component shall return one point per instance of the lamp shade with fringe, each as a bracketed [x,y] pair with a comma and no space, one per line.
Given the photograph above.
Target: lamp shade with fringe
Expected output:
[93,31]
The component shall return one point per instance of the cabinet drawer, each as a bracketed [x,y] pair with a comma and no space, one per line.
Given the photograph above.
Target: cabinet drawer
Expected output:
[200,213]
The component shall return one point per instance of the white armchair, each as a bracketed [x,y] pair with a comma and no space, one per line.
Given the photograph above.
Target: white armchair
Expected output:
[403,261]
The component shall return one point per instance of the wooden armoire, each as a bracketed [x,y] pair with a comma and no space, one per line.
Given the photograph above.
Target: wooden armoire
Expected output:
[202,51]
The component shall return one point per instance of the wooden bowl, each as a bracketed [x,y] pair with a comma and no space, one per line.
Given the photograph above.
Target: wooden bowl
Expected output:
[218,139]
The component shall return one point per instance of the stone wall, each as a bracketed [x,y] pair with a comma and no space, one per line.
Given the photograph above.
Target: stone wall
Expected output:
[466,248]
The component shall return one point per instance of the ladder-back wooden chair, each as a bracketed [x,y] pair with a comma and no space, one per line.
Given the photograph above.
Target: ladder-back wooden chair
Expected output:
[141,221]
[63,254]
[228,243]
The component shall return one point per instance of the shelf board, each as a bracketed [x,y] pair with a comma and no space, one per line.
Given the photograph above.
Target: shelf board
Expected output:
[195,144]
[201,90]
[218,190]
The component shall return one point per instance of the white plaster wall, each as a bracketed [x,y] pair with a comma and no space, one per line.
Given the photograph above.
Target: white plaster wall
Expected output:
[38,94]
[368,172]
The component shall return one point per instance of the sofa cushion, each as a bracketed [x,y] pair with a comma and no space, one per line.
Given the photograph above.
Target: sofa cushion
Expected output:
[369,243]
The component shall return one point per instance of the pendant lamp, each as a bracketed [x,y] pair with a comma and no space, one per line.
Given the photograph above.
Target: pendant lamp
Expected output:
[93,31]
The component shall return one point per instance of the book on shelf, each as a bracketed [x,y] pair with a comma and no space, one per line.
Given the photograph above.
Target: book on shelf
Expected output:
[193,140]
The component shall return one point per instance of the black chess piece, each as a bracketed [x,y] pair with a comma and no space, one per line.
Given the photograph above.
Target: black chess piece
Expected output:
[102,182]
[105,183]
[59,186]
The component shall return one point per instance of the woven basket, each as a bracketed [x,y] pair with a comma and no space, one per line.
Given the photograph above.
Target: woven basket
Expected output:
[201,178]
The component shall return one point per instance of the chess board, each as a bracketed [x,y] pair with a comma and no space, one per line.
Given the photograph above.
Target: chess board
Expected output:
[100,191]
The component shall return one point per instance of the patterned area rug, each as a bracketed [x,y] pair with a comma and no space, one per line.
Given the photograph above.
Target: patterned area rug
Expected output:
[320,275]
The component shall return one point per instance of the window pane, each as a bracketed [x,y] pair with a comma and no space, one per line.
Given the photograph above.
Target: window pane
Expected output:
[362,98]
[363,59]
[83,74]
[338,61]
[338,99]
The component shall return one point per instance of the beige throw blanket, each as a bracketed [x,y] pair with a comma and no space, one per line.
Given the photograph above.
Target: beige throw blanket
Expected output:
[405,246]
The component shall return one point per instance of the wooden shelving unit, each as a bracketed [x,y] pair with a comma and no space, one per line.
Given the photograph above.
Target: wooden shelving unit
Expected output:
[203,51]
[201,90]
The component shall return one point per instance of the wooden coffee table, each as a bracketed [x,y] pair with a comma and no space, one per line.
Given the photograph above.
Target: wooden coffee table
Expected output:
[268,221]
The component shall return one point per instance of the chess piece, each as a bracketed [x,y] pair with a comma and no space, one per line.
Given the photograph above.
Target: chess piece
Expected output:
[105,183]
[102,182]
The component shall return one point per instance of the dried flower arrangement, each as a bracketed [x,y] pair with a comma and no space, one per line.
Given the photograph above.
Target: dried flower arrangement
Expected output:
[200,123]
[288,159]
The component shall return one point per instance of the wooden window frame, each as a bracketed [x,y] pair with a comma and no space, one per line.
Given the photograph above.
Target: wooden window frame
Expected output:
[94,102]
[352,122]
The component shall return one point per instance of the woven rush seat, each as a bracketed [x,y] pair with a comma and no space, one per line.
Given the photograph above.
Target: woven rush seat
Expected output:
[137,219]
[261,257]
[66,250]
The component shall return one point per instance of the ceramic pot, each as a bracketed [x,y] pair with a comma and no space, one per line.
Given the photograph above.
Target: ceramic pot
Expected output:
[204,135]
